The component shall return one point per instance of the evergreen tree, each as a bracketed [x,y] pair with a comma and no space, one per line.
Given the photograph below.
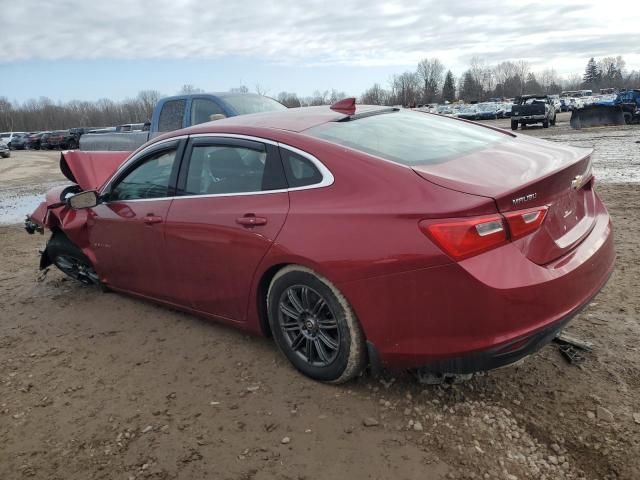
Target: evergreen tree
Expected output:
[470,89]
[592,75]
[449,88]
[532,86]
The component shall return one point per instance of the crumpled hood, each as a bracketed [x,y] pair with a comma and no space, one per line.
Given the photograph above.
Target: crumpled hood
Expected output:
[90,170]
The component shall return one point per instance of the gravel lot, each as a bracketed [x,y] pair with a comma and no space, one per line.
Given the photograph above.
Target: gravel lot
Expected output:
[103,386]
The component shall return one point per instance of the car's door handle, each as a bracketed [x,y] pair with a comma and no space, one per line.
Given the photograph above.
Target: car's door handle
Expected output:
[150,219]
[250,220]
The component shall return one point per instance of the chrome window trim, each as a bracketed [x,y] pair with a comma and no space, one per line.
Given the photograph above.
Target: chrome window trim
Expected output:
[327,176]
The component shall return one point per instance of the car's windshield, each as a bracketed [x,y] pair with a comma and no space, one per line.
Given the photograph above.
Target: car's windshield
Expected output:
[410,138]
[244,104]
[487,108]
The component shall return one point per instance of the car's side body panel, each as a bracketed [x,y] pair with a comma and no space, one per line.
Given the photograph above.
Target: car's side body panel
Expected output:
[414,302]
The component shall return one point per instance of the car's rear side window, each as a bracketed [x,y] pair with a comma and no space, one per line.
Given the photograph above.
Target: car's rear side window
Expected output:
[300,171]
[409,138]
[202,109]
[171,115]
[228,169]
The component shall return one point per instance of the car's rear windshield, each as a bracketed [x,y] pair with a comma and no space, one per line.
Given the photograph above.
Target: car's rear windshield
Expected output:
[244,104]
[410,138]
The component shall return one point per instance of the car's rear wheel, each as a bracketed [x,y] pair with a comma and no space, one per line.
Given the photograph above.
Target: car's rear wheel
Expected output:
[70,260]
[514,125]
[545,124]
[314,326]
[553,120]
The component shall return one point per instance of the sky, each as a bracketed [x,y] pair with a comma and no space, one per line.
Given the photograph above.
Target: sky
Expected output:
[79,49]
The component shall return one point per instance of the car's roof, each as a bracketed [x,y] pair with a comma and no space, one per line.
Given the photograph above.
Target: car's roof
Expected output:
[292,119]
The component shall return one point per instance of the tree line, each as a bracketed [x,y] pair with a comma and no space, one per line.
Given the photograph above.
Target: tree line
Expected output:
[430,82]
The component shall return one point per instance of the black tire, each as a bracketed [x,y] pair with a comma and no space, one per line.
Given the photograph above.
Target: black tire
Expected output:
[553,120]
[514,125]
[320,335]
[70,260]
[545,124]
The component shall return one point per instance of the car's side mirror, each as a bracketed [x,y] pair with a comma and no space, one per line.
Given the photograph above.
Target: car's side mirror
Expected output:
[81,200]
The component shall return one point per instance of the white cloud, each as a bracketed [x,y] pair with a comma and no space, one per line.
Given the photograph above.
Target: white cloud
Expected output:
[317,32]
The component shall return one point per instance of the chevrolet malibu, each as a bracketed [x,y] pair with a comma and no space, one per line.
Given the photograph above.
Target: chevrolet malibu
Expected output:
[353,235]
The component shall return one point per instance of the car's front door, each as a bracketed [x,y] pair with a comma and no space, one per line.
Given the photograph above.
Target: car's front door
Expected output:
[230,206]
[126,231]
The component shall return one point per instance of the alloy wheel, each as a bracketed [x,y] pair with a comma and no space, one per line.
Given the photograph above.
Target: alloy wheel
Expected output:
[309,325]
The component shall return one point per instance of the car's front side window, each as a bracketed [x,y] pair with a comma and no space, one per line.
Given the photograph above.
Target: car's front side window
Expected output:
[150,179]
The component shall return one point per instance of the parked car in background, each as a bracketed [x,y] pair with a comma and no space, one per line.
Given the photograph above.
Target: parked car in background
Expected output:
[44,140]
[19,141]
[4,150]
[556,102]
[530,109]
[182,111]
[7,137]
[274,223]
[575,103]
[62,139]
[33,141]
[487,111]
[468,112]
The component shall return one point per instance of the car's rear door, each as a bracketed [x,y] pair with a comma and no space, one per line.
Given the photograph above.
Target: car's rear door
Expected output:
[126,231]
[232,202]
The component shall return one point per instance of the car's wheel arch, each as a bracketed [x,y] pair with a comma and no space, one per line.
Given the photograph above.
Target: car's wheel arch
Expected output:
[265,277]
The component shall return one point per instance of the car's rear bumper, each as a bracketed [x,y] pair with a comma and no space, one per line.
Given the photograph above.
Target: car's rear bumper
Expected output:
[529,118]
[504,354]
[483,312]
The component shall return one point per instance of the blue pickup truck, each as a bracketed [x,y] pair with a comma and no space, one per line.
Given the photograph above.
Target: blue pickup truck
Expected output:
[181,111]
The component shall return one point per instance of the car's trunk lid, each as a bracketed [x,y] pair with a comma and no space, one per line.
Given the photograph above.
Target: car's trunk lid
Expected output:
[526,173]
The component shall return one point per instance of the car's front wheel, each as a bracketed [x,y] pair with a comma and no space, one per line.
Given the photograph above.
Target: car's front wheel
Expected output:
[314,326]
[70,260]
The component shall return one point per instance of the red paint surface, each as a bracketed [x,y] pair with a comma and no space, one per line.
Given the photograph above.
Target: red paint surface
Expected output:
[414,302]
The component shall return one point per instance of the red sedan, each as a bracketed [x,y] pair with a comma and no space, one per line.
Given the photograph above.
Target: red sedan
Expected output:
[354,235]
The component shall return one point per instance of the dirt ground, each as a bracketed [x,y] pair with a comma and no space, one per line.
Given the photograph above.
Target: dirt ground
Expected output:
[101,386]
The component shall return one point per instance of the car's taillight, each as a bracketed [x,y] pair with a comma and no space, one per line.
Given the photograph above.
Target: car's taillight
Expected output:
[523,222]
[468,236]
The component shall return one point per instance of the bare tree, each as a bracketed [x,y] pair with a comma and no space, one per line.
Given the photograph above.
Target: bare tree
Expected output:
[430,72]
[523,69]
[148,100]
[405,89]
[376,95]
[260,90]
[240,89]
[188,89]
[290,100]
